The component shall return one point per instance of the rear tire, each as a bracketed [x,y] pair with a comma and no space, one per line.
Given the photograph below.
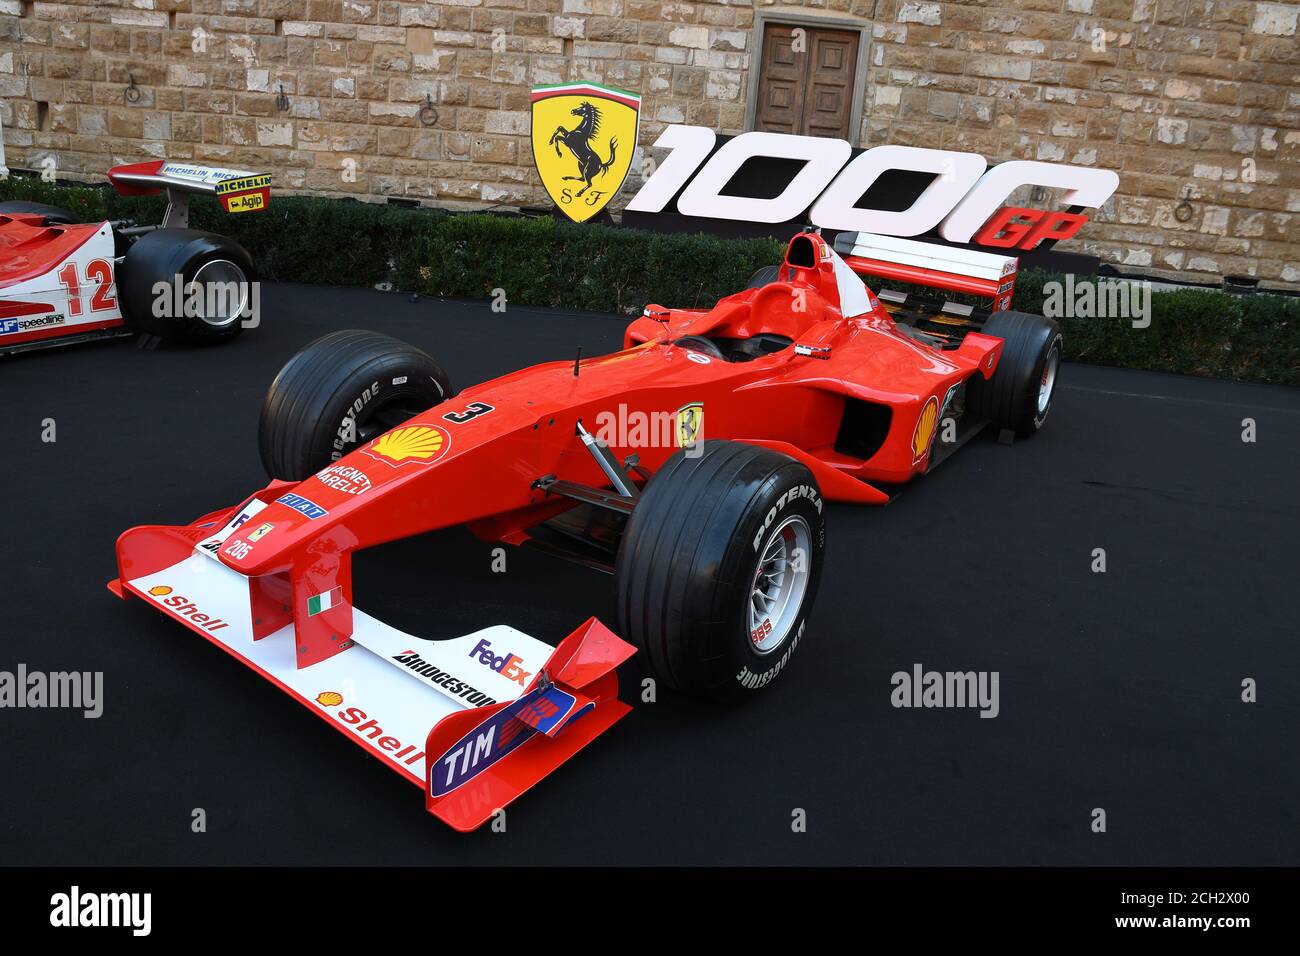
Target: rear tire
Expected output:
[339,392]
[54,216]
[708,529]
[1019,394]
[210,260]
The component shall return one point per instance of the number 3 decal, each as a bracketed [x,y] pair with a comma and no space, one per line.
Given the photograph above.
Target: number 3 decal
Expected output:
[471,412]
[99,273]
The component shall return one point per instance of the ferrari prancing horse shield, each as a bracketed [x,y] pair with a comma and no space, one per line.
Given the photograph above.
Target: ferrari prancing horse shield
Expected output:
[584,136]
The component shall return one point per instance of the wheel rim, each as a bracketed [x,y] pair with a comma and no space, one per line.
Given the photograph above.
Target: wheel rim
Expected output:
[780,582]
[1048,382]
[220,273]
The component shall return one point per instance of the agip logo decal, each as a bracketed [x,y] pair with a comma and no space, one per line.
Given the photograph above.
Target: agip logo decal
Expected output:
[584,136]
[419,444]
[925,428]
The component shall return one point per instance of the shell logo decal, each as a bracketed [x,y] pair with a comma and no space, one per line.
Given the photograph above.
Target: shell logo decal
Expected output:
[410,444]
[925,429]
[329,698]
[160,590]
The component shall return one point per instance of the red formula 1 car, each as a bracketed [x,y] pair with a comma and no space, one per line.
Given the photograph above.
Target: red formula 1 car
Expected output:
[693,464]
[62,282]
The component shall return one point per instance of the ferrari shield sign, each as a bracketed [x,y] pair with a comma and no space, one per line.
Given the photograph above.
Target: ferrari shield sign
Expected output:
[584,136]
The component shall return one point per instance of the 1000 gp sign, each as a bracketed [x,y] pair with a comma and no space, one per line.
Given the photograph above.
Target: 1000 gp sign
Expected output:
[965,200]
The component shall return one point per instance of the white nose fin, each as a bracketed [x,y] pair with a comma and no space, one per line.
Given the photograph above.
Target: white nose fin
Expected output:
[855,298]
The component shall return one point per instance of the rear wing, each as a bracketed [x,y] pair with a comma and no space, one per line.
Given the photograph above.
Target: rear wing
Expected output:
[239,190]
[984,274]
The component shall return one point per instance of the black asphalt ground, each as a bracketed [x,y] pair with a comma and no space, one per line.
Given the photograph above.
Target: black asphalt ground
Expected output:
[1119,691]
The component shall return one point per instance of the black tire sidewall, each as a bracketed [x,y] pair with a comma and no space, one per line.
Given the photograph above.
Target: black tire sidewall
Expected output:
[342,377]
[1036,420]
[687,561]
[161,256]
[791,493]
[371,387]
[1009,399]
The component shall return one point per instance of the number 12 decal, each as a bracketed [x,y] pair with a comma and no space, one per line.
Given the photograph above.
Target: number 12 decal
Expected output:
[99,273]
[471,412]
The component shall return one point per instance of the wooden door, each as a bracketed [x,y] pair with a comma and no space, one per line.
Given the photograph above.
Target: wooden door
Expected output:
[806,80]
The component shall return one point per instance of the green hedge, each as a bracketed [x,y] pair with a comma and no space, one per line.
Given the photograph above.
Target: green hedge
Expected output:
[602,268]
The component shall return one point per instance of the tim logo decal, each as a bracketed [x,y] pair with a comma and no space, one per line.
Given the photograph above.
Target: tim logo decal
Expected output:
[546,709]
[584,136]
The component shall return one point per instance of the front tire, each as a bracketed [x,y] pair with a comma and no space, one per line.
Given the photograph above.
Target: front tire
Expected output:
[215,291]
[339,392]
[719,566]
[1019,394]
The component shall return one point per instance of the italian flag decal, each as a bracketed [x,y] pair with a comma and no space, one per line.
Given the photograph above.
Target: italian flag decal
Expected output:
[323,602]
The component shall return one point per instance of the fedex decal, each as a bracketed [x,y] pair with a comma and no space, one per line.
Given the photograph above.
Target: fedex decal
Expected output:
[507,665]
[965,200]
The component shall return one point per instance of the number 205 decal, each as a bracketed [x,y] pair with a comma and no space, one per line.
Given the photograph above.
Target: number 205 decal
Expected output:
[964,196]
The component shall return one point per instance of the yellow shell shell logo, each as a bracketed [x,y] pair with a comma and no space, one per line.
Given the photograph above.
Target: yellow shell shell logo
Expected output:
[329,698]
[413,443]
[924,433]
[160,590]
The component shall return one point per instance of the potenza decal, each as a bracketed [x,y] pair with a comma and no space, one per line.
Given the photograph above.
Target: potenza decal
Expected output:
[923,435]
[583,137]
[795,493]
[472,411]
[964,200]
[302,505]
[546,709]
[344,478]
[412,444]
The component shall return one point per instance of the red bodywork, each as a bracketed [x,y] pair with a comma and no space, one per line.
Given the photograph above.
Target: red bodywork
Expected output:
[58,282]
[444,467]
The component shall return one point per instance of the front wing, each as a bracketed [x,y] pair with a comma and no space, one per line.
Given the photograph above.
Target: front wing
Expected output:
[474,720]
